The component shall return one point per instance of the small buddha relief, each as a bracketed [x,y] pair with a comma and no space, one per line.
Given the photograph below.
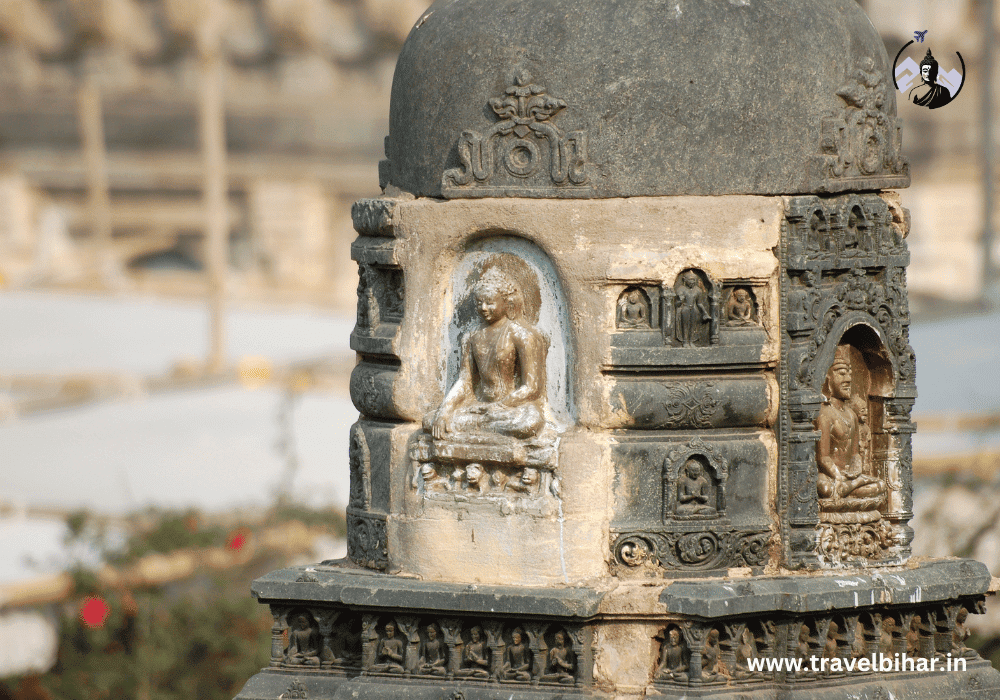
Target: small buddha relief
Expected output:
[692,310]
[741,308]
[850,492]
[303,641]
[517,658]
[559,661]
[493,436]
[389,652]
[634,310]
[675,658]
[696,491]
[433,654]
[475,656]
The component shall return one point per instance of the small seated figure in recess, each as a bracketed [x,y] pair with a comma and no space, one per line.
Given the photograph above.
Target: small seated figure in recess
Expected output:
[739,309]
[674,658]
[389,654]
[830,645]
[885,643]
[475,658]
[710,657]
[695,491]
[528,483]
[501,382]
[803,644]
[913,636]
[633,311]
[433,654]
[560,662]
[960,634]
[745,650]
[517,659]
[838,452]
[303,644]
[476,478]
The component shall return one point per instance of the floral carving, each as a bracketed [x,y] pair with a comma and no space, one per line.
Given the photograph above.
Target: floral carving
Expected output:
[691,405]
[518,141]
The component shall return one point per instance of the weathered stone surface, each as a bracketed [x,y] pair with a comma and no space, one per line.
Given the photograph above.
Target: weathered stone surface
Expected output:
[642,99]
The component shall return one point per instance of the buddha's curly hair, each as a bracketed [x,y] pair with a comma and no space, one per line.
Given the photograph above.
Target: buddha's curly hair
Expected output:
[516,281]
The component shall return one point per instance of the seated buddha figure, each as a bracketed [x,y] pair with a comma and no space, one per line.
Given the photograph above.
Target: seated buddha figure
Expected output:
[501,381]
[840,456]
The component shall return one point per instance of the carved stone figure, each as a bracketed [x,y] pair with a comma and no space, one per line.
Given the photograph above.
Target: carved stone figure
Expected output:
[303,643]
[803,644]
[710,657]
[838,452]
[475,656]
[885,642]
[695,490]
[433,657]
[745,650]
[692,310]
[830,645]
[739,308]
[674,658]
[913,636]
[360,463]
[517,658]
[633,309]
[389,656]
[960,634]
[528,483]
[432,480]
[559,668]
[501,382]
[476,479]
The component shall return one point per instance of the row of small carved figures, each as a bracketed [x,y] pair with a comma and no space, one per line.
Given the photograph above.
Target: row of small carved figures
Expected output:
[533,652]
[848,232]
[697,653]
[476,479]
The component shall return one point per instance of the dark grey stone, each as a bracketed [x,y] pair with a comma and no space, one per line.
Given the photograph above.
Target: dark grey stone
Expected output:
[642,98]
[341,583]
[937,580]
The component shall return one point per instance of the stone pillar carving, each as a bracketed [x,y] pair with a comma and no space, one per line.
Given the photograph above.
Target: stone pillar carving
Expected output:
[280,614]
[326,620]
[452,631]
[369,641]
[536,643]
[410,627]
[694,637]
[494,640]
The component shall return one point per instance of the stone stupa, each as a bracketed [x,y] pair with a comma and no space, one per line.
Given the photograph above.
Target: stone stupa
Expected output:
[633,373]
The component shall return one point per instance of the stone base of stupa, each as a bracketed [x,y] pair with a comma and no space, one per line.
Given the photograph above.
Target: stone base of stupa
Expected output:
[615,636]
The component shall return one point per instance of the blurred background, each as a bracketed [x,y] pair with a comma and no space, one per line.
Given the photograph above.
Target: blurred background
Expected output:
[176,294]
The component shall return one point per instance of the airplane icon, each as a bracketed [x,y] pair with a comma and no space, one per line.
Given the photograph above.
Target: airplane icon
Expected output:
[919,36]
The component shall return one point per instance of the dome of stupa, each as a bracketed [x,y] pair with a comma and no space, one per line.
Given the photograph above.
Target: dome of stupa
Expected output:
[621,98]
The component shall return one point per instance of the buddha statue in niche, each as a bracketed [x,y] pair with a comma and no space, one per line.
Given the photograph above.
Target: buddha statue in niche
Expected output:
[844,481]
[501,383]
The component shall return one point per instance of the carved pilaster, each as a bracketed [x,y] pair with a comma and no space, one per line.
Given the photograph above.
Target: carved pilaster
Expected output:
[536,644]
[494,640]
[410,627]
[280,614]
[369,641]
[452,631]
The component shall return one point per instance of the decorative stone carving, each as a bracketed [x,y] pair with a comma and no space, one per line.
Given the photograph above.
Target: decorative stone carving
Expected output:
[389,653]
[296,690]
[517,658]
[303,641]
[491,437]
[694,482]
[860,148]
[741,307]
[692,551]
[433,655]
[634,310]
[695,310]
[511,157]
[475,656]
[367,538]
[560,661]
[361,470]
[674,658]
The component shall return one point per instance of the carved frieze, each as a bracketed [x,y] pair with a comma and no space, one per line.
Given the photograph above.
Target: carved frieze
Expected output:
[702,550]
[848,365]
[360,462]
[367,538]
[525,153]
[683,404]
[860,147]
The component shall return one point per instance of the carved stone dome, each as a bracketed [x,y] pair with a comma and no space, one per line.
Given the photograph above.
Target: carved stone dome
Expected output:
[621,98]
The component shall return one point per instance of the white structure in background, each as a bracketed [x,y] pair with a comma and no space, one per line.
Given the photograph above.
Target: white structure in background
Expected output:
[28,642]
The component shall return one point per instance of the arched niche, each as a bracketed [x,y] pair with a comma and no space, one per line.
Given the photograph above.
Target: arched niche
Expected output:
[694,482]
[552,315]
